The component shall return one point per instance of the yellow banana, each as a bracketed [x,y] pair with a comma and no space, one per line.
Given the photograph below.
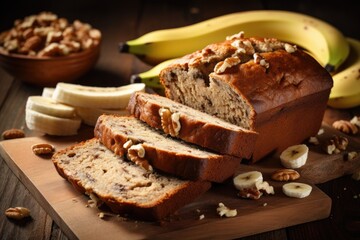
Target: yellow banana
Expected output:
[347,79]
[151,77]
[345,102]
[321,39]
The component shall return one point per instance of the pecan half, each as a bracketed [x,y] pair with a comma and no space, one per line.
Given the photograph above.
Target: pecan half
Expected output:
[285,174]
[43,149]
[13,133]
[17,213]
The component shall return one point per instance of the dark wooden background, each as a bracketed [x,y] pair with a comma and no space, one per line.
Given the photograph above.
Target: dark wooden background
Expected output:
[121,21]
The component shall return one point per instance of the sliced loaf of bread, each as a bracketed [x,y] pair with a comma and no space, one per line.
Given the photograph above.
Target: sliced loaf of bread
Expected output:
[130,137]
[192,125]
[124,187]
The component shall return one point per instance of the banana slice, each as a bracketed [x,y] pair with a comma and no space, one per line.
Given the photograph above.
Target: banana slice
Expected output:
[294,156]
[248,180]
[51,125]
[96,97]
[296,190]
[47,92]
[50,107]
[90,115]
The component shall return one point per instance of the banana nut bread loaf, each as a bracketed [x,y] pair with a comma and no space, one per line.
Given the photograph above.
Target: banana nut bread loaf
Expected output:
[191,125]
[130,137]
[260,84]
[126,188]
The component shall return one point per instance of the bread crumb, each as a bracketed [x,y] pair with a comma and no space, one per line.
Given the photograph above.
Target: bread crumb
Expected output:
[201,217]
[265,204]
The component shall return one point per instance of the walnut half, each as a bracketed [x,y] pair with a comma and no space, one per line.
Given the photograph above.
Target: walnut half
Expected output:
[285,175]
[170,122]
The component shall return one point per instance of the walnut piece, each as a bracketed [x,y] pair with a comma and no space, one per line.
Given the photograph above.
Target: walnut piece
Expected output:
[349,156]
[43,148]
[229,62]
[17,213]
[250,193]
[314,140]
[285,175]
[335,144]
[13,133]
[136,154]
[170,122]
[356,121]
[345,127]
[222,210]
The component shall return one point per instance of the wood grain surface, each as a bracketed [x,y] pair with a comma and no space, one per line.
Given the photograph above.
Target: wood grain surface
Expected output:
[67,207]
[124,20]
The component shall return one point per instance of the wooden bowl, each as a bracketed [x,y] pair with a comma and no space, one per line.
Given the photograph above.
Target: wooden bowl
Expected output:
[48,71]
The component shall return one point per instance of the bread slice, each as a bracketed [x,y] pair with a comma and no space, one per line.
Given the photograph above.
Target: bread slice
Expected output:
[261,84]
[124,187]
[129,136]
[191,125]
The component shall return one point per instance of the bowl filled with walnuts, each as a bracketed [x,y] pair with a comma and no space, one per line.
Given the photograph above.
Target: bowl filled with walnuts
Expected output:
[44,49]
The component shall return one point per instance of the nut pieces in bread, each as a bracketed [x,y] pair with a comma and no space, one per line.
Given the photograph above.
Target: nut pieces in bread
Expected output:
[294,156]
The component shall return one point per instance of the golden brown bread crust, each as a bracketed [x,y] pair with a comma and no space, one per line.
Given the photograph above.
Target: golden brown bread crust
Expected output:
[286,100]
[188,191]
[291,76]
[195,128]
[214,167]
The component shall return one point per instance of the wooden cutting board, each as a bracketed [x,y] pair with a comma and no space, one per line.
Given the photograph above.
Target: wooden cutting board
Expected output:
[68,208]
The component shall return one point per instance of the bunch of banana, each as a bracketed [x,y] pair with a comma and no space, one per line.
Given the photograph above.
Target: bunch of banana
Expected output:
[346,90]
[321,39]
[61,111]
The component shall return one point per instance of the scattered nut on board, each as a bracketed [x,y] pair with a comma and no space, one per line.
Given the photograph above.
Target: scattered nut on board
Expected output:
[13,133]
[17,213]
[345,127]
[222,210]
[43,148]
[285,175]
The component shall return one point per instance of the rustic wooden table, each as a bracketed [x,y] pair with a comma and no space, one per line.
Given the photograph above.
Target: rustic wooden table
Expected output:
[120,21]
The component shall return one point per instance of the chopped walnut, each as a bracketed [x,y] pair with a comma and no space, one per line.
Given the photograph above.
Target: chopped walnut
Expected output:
[170,122]
[290,48]
[356,121]
[33,35]
[260,60]
[314,140]
[285,175]
[229,62]
[128,144]
[345,127]
[349,156]
[222,210]
[136,154]
[335,144]
[265,187]
[250,193]
[235,36]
